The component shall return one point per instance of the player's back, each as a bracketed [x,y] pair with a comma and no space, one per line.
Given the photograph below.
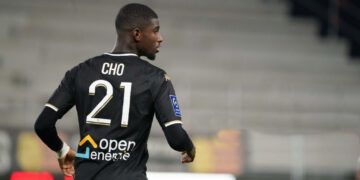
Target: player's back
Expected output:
[114,98]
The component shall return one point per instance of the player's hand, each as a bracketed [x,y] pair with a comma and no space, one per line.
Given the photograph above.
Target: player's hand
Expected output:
[67,163]
[189,156]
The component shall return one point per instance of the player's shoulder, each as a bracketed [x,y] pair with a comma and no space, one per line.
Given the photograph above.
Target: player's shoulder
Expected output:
[73,72]
[87,62]
[151,68]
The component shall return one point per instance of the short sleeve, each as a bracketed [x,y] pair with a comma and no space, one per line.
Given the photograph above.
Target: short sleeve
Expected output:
[167,107]
[62,100]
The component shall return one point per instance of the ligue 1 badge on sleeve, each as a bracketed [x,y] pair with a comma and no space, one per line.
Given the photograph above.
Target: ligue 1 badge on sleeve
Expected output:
[175,105]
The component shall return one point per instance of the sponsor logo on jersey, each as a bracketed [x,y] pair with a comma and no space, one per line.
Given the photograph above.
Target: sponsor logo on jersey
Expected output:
[175,105]
[106,149]
[86,155]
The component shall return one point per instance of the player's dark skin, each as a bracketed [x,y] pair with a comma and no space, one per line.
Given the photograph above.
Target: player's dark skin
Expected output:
[143,42]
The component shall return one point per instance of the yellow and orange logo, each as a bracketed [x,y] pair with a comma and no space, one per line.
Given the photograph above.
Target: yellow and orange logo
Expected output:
[89,139]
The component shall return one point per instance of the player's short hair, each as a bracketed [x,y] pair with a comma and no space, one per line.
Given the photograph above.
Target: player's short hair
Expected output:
[134,15]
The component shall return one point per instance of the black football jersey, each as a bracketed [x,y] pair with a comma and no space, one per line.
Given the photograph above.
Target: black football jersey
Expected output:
[116,97]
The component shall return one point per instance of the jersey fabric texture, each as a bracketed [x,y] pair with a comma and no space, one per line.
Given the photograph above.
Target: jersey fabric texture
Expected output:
[116,97]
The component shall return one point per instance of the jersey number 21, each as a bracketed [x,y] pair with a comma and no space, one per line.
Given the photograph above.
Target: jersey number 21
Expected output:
[91,119]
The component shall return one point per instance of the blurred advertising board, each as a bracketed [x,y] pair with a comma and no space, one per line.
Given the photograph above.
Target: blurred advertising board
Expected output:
[23,151]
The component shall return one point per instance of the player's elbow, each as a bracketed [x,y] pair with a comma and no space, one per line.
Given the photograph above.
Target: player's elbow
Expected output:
[40,127]
[45,122]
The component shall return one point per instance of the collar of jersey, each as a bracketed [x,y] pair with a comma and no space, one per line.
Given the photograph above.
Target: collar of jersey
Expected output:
[124,54]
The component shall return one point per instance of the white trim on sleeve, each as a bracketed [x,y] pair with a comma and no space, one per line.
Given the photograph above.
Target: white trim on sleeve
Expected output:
[52,107]
[172,123]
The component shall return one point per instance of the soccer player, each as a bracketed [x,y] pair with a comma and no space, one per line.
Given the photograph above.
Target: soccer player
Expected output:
[116,95]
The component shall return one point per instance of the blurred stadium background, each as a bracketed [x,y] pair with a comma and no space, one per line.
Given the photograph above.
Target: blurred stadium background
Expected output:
[269,89]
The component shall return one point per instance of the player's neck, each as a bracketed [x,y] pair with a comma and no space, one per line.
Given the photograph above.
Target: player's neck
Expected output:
[123,46]
[123,51]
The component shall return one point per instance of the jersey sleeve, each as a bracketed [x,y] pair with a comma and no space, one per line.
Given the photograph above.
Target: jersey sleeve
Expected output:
[167,109]
[62,100]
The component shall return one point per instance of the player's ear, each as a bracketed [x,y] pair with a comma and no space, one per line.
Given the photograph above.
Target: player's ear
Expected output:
[137,35]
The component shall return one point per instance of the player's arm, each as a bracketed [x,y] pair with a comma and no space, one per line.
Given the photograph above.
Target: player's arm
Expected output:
[168,114]
[179,140]
[46,130]
[60,102]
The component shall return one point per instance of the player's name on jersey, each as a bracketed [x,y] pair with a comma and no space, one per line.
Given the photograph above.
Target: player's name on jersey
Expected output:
[116,69]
